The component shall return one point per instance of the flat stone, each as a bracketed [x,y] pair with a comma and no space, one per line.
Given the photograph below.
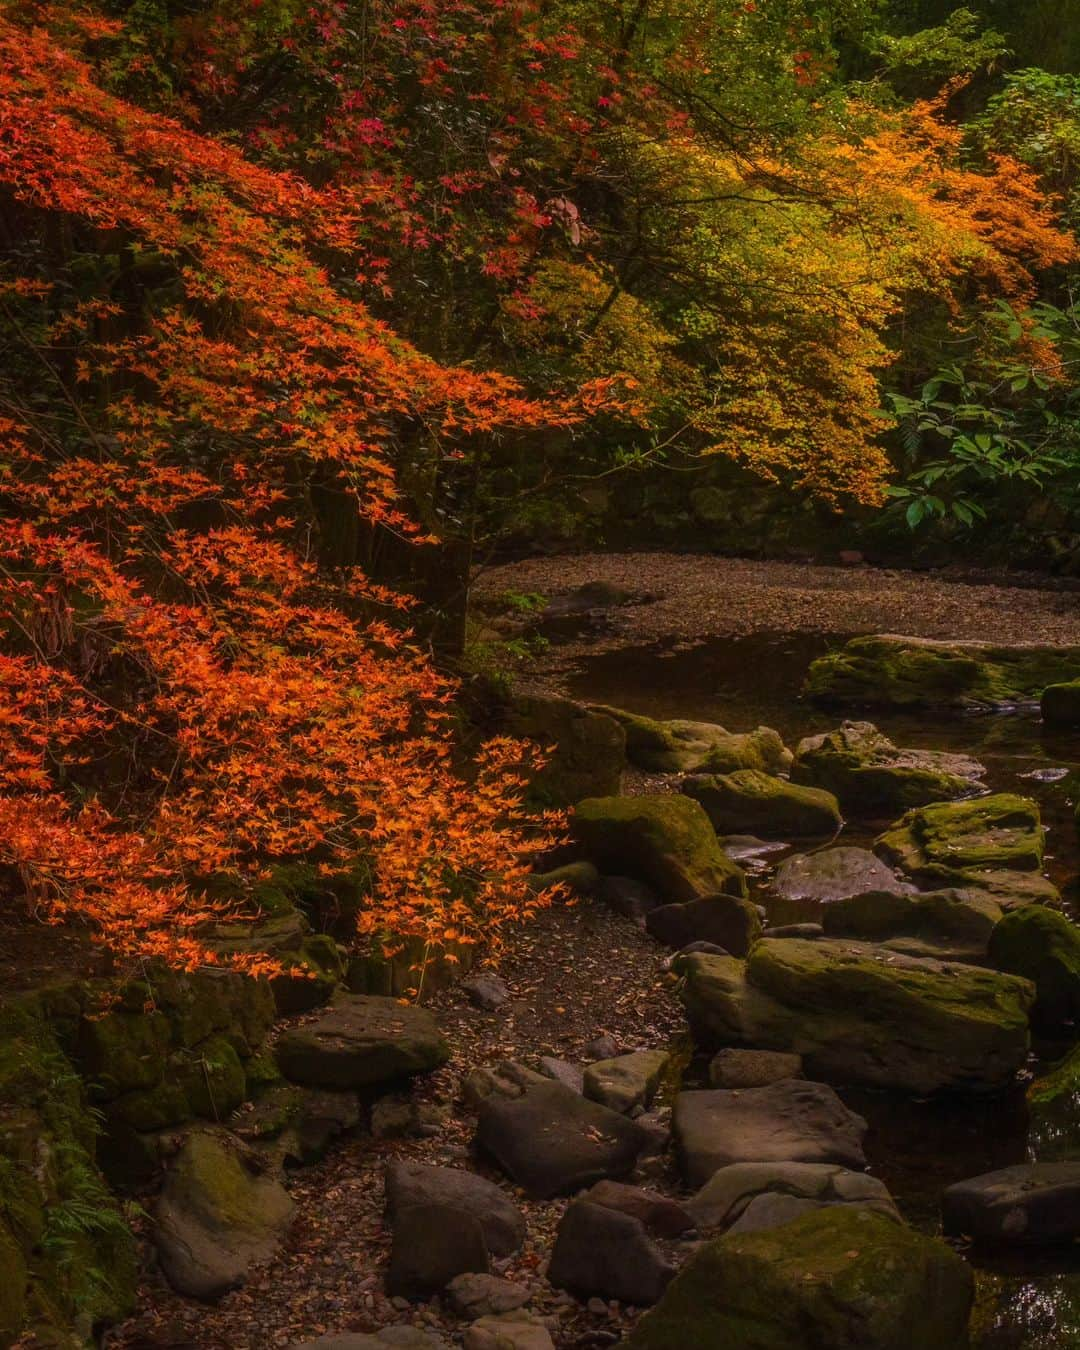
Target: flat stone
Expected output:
[432,1245]
[570,1075]
[791,1121]
[734,1068]
[729,1192]
[601,1252]
[362,1040]
[1031,1204]
[796,930]
[553,1142]
[815,880]
[662,1216]
[411,1184]
[627,1081]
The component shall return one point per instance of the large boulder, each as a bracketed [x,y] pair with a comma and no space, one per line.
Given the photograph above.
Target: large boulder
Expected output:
[836,1279]
[871,776]
[552,1141]
[1061,704]
[951,924]
[603,1253]
[664,840]
[412,1185]
[994,844]
[362,1040]
[857,1014]
[1031,1204]
[807,883]
[585,749]
[680,746]
[731,1191]
[726,921]
[752,802]
[217,1216]
[1043,946]
[904,672]
[790,1121]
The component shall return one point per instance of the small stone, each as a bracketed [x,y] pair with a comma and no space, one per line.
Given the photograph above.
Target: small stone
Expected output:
[597,1306]
[602,1047]
[486,991]
[662,1216]
[476,1295]
[572,1075]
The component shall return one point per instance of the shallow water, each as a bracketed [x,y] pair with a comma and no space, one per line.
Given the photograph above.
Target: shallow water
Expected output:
[917,1148]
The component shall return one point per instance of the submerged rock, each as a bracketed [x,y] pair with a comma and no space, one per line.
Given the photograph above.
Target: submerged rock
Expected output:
[871,776]
[666,841]
[893,671]
[862,1015]
[752,802]
[682,746]
[838,1278]
[362,1040]
[731,1191]
[1031,1204]
[1043,946]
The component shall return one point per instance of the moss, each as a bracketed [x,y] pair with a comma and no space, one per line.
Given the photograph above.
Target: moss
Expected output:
[905,672]
[664,840]
[211,1078]
[154,1108]
[680,746]
[1044,947]
[752,802]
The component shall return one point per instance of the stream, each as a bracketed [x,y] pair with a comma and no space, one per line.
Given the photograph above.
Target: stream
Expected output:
[916,1147]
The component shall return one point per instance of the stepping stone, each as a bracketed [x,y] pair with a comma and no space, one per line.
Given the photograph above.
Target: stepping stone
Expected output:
[362,1040]
[734,1068]
[553,1142]
[791,1121]
[730,1192]
[1031,1204]
[413,1184]
[602,1253]
[756,803]
[662,1216]
[815,880]
[432,1245]
[626,1082]
[474,1296]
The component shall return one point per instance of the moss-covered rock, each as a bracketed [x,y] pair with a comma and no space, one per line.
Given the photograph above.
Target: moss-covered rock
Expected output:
[992,843]
[211,1077]
[839,1278]
[681,746]
[871,776]
[893,671]
[122,1051]
[320,967]
[1061,704]
[581,877]
[950,923]
[1043,946]
[585,748]
[752,802]
[664,840]
[858,1015]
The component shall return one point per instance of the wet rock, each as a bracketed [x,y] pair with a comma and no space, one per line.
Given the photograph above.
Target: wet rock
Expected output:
[432,1245]
[570,1075]
[818,879]
[752,802]
[729,1192]
[1043,946]
[601,1252]
[682,746]
[218,1215]
[790,1121]
[411,1185]
[837,1278]
[553,1142]
[585,749]
[627,1081]
[1061,704]
[475,1296]
[1031,1204]
[360,1041]
[633,899]
[858,1014]
[951,924]
[904,672]
[989,844]
[718,920]
[872,776]
[734,1068]
[662,1216]
[486,991]
[510,1331]
[666,841]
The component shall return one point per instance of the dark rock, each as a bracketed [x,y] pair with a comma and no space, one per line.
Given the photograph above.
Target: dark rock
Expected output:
[1031,1204]
[633,899]
[398,1117]
[410,1185]
[600,1252]
[720,920]
[790,1121]
[808,931]
[602,1047]
[362,1040]
[733,1068]
[662,1216]
[433,1244]
[586,749]
[553,1142]
[815,880]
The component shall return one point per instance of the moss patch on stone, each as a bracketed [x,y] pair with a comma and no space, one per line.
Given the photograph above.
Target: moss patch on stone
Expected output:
[752,802]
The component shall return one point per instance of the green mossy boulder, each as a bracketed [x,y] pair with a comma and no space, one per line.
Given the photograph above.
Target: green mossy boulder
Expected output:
[893,671]
[842,1278]
[1061,704]
[1043,946]
[680,746]
[585,748]
[211,1077]
[121,1051]
[871,776]
[993,843]
[752,802]
[858,1014]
